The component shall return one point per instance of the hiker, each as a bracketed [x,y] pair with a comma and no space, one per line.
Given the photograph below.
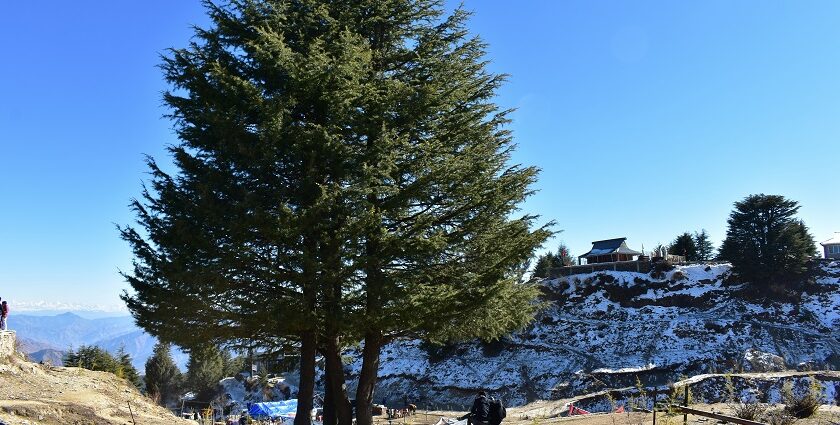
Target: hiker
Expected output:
[480,412]
[4,315]
[497,412]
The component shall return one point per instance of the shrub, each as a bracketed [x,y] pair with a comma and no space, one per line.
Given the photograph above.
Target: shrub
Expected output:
[805,405]
[745,408]
[779,417]
[748,409]
[657,271]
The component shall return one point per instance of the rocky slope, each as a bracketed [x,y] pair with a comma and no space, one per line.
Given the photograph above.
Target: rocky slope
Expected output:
[603,330]
[34,394]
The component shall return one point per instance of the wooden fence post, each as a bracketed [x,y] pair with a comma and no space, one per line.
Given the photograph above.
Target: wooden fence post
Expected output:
[654,403]
[685,403]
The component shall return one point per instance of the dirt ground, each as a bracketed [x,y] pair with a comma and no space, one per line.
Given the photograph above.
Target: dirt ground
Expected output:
[545,413]
[33,394]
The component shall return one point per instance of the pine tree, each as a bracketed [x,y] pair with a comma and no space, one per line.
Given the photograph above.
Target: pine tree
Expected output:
[440,242]
[232,365]
[765,242]
[342,174]
[205,368]
[126,369]
[545,262]
[705,249]
[162,379]
[564,256]
[685,246]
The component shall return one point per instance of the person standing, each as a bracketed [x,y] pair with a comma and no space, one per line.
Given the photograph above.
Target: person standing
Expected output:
[4,315]
[480,412]
[497,412]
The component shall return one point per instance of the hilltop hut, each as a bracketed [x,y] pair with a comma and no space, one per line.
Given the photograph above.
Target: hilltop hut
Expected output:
[610,251]
[832,246]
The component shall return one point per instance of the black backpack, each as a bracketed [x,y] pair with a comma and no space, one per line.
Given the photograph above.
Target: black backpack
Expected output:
[497,411]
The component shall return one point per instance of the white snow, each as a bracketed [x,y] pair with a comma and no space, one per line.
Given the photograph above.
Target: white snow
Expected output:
[590,330]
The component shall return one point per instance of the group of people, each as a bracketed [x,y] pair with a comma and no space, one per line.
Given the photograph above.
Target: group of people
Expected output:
[487,411]
[4,315]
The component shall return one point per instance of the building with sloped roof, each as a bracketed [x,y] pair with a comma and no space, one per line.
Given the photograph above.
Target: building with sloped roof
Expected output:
[832,246]
[610,250]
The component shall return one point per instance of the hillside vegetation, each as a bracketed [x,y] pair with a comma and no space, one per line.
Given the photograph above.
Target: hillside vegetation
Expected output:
[35,394]
[603,330]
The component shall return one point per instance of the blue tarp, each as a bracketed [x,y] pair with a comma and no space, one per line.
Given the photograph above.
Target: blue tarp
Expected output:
[273,409]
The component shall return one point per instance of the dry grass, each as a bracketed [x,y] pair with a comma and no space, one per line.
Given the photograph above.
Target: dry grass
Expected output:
[546,413]
[43,395]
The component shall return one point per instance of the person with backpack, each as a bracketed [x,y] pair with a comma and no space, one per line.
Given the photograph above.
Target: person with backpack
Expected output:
[4,315]
[497,412]
[480,412]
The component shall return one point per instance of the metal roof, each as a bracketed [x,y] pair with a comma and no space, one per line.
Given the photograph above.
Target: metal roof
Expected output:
[833,241]
[610,246]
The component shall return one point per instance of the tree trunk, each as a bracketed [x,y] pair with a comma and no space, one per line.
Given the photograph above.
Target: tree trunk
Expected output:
[367,377]
[306,389]
[335,382]
[329,408]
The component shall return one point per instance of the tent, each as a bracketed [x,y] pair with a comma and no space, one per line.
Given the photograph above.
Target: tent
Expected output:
[273,409]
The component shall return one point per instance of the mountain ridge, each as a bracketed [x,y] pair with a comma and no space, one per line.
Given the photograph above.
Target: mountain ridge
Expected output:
[69,330]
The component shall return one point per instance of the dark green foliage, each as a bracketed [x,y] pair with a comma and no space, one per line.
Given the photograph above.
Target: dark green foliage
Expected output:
[765,242]
[126,369]
[95,358]
[542,268]
[341,170]
[205,368]
[551,260]
[684,245]
[163,380]
[659,268]
[705,249]
[232,365]
[92,357]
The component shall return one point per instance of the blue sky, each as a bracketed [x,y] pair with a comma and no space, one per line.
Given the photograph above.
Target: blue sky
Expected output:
[647,118]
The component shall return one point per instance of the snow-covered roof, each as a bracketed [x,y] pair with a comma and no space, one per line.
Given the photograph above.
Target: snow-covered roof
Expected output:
[610,246]
[833,241]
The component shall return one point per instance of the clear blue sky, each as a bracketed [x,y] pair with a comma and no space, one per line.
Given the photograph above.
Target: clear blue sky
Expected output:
[647,118]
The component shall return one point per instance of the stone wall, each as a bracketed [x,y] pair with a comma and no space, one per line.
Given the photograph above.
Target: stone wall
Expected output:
[7,343]
[618,266]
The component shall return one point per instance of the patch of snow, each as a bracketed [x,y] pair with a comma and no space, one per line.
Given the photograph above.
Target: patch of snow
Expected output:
[649,366]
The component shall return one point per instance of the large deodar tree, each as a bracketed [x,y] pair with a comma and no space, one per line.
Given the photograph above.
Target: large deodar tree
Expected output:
[342,175]
[765,241]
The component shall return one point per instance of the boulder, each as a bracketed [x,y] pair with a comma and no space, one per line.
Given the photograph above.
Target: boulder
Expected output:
[7,343]
[758,361]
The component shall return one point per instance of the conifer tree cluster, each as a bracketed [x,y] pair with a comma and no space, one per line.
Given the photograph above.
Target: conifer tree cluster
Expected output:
[342,175]
[92,357]
[552,260]
[694,247]
[684,245]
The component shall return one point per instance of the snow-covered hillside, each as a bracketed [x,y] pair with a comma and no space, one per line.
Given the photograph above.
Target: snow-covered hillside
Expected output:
[602,330]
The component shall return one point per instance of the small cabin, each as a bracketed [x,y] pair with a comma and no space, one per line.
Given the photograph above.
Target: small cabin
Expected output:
[610,251]
[832,246]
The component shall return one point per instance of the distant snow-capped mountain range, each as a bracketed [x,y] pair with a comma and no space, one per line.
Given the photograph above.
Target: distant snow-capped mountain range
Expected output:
[51,308]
